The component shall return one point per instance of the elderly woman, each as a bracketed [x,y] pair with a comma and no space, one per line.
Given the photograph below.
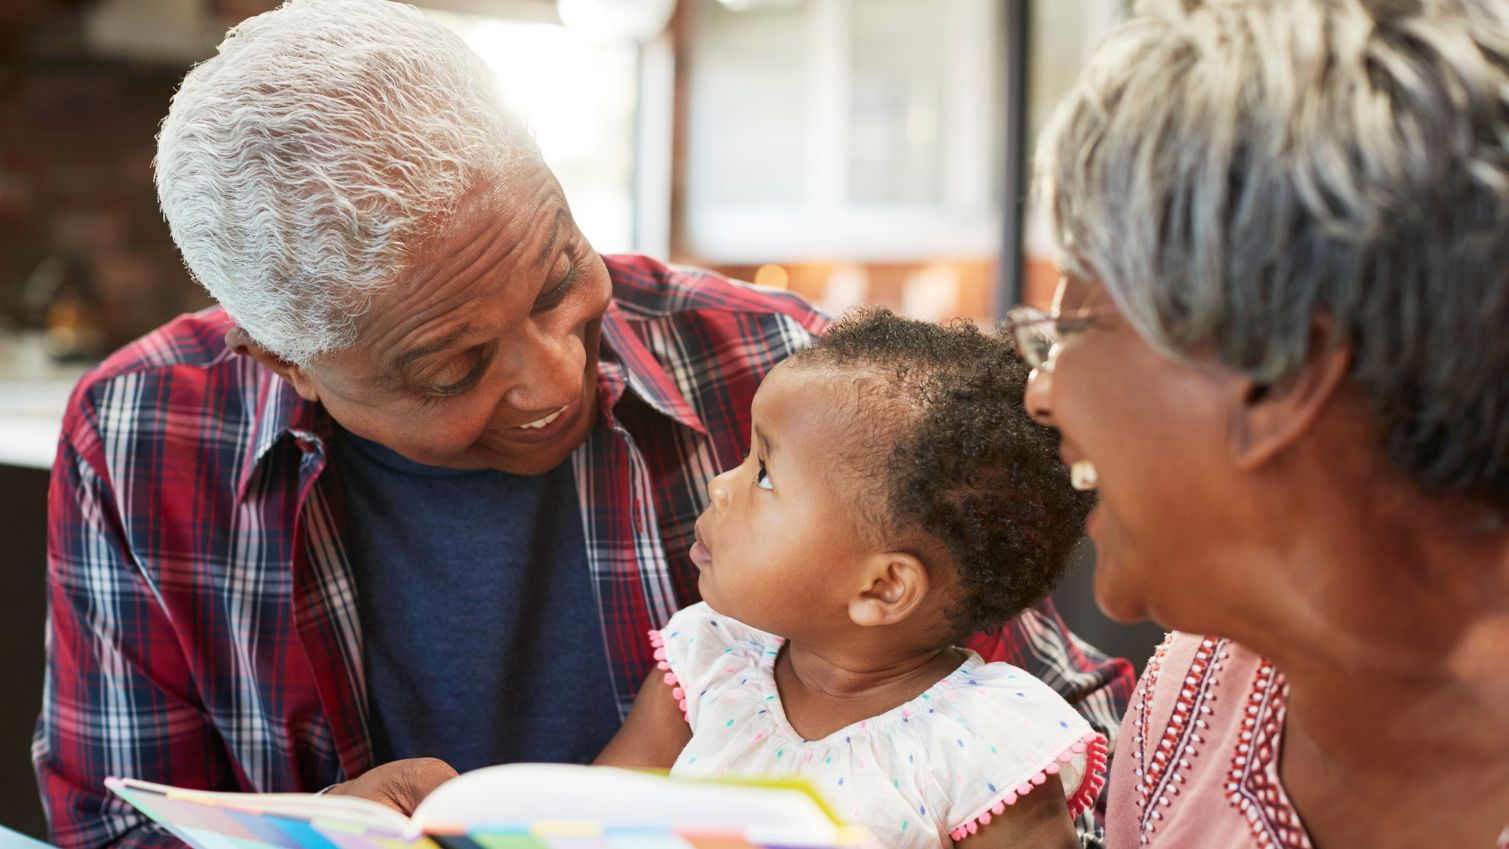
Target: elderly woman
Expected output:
[1280,351]
[408,499]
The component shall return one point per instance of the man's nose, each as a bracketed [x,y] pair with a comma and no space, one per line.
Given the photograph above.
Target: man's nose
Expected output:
[548,373]
[1038,397]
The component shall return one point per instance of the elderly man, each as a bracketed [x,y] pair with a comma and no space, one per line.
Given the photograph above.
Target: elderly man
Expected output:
[422,482]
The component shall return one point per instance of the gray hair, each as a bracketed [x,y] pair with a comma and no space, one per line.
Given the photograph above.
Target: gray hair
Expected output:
[299,166]
[1234,172]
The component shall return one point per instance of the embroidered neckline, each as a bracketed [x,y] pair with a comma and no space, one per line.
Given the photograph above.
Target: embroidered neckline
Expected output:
[1253,785]
[1158,777]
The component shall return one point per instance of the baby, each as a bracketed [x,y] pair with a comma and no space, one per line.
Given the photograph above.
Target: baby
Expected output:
[896,498]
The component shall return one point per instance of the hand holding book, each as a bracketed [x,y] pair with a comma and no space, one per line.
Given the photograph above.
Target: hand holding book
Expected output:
[401,785]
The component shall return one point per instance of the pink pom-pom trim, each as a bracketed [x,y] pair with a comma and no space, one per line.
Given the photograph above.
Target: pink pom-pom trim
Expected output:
[1092,746]
[677,692]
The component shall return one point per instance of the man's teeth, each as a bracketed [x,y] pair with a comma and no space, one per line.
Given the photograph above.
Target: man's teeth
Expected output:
[1083,477]
[536,425]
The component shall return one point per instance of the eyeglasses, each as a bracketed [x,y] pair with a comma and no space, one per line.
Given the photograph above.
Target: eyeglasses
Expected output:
[1039,336]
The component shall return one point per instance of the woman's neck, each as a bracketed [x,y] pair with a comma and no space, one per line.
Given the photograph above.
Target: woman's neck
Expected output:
[1397,691]
[1422,757]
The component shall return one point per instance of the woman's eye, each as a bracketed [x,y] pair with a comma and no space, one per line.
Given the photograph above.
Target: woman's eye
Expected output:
[1074,326]
[762,478]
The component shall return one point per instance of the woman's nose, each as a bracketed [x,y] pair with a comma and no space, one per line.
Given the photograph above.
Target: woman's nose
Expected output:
[1038,397]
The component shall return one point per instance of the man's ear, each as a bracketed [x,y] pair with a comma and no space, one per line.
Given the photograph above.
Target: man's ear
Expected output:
[1267,420]
[895,583]
[241,344]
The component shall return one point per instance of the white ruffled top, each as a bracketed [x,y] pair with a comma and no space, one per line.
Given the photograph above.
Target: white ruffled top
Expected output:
[924,773]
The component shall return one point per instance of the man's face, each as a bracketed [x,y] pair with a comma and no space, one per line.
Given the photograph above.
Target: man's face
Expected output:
[483,354]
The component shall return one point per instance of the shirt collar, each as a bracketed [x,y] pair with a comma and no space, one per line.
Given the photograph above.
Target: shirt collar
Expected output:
[281,413]
[625,365]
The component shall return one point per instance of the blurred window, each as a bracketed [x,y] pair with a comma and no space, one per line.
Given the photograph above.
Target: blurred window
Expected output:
[896,102]
[1062,36]
[856,129]
[749,106]
[579,96]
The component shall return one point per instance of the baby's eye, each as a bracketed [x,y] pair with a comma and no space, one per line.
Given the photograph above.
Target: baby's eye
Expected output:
[762,478]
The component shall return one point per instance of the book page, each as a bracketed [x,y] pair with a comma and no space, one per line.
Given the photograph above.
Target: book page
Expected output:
[208,820]
[525,797]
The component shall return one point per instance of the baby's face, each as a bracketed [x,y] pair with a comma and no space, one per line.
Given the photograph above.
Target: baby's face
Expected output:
[777,547]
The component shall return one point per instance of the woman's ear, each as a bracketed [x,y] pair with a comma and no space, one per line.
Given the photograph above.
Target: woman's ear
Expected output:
[1267,420]
[894,585]
[241,344]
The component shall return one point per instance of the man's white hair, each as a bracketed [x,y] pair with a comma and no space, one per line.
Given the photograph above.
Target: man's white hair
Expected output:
[1235,171]
[299,166]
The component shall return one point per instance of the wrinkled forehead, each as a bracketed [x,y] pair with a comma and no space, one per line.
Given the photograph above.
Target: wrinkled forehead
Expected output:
[520,198]
[499,245]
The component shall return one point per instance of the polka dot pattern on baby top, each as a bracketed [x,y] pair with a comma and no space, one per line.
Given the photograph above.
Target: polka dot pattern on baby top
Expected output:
[936,768]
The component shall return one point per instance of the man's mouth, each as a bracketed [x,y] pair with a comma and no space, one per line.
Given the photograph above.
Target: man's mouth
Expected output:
[537,424]
[547,428]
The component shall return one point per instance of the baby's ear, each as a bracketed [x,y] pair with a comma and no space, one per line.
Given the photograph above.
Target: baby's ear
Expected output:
[894,585]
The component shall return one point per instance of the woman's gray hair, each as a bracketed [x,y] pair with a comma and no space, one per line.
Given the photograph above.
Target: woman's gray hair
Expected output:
[1239,174]
[298,167]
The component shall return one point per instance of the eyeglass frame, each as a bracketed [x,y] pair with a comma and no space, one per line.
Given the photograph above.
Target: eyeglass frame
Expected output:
[1023,318]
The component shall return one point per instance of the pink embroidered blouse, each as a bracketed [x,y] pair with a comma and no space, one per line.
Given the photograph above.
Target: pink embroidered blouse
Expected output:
[1197,762]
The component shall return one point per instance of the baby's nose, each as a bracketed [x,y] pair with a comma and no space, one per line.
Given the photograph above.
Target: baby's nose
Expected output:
[718,492]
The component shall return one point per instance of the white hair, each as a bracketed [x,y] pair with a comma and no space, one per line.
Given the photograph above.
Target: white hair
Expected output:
[1233,171]
[299,166]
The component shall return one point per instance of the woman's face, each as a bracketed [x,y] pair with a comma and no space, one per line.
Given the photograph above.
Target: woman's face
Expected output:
[1156,432]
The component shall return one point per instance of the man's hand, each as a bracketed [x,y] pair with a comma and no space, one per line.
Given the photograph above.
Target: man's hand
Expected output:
[401,785]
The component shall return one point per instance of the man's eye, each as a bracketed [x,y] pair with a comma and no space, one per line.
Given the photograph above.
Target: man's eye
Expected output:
[762,478]
[457,376]
[551,299]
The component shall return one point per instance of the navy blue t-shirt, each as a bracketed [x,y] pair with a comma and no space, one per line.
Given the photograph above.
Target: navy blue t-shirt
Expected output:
[481,634]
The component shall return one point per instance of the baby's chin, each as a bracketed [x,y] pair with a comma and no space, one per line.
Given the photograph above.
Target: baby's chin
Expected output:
[720,606]
[711,598]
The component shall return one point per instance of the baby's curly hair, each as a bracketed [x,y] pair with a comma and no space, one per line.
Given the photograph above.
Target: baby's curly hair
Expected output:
[942,432]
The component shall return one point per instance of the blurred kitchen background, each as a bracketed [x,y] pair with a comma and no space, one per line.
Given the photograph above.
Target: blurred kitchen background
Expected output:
[854,151]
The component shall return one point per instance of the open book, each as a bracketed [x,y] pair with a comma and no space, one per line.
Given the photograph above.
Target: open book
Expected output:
[517,806]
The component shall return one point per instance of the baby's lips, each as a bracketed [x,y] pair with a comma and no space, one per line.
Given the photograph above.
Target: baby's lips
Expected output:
[701,557]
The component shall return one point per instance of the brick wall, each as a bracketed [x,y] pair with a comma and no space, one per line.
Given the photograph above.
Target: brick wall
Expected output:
[76,143]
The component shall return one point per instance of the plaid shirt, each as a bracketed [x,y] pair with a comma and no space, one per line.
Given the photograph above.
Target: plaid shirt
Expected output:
[202,620]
